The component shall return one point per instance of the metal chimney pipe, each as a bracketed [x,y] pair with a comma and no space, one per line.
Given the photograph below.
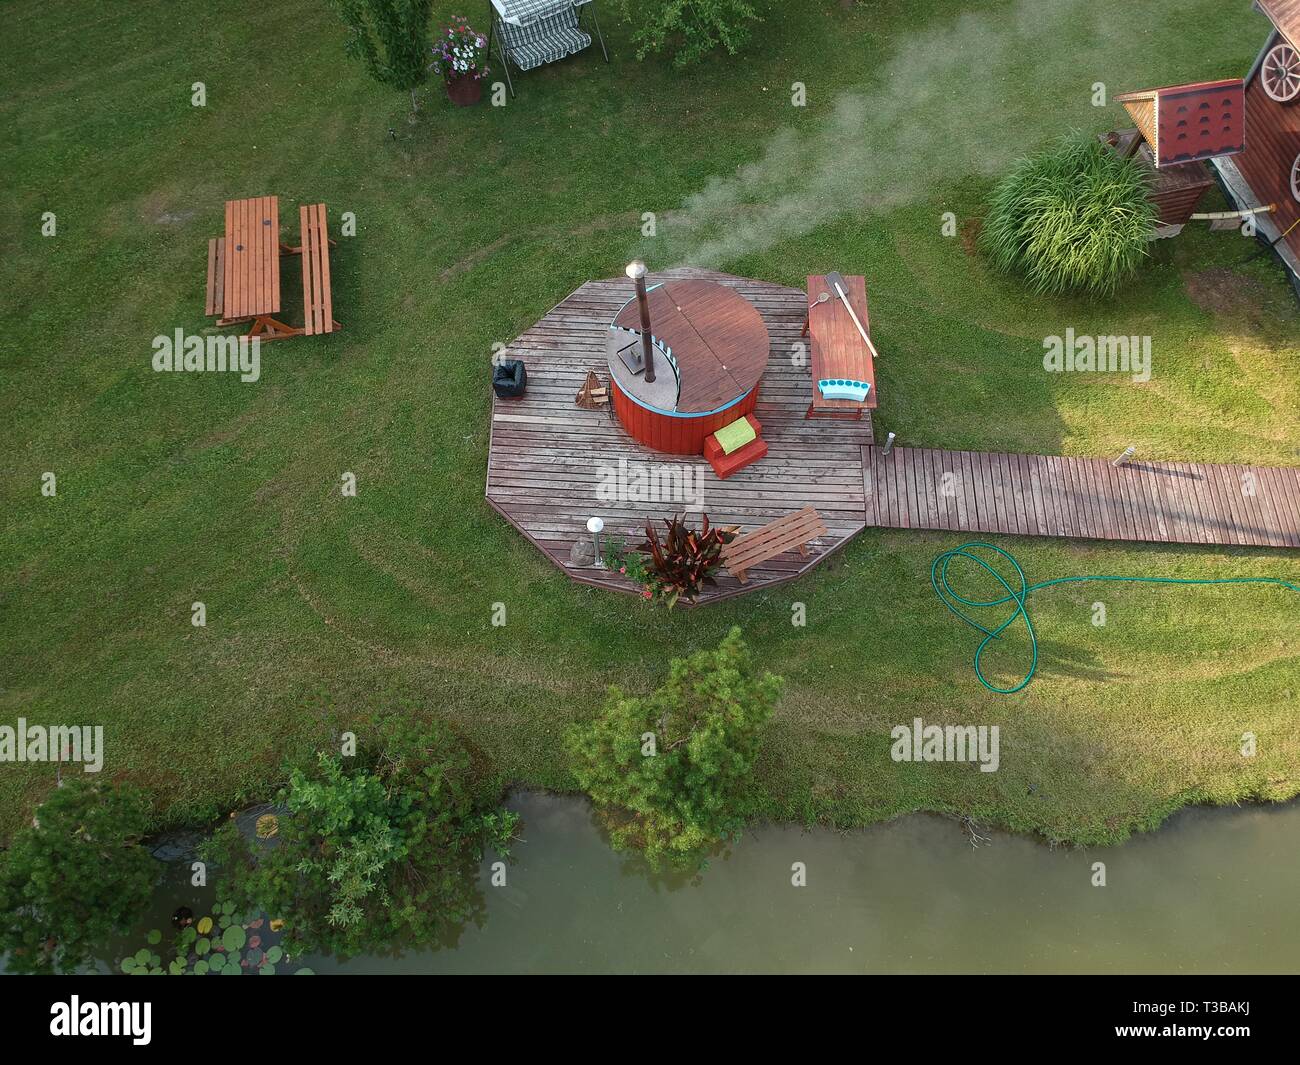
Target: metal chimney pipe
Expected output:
[636,271]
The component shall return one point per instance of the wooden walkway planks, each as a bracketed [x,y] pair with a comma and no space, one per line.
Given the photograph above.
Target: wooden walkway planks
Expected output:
[1036,495]
[548,457]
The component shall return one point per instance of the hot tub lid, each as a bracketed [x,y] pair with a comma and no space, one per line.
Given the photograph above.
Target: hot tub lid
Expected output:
[717,338]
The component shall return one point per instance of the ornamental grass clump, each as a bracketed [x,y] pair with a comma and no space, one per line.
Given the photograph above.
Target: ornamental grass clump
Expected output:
[1074,218]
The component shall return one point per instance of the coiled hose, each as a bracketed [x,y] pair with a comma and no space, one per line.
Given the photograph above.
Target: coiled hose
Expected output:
[954,601]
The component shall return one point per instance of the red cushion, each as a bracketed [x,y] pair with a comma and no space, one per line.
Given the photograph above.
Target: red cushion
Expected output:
[725,465]
[713,450]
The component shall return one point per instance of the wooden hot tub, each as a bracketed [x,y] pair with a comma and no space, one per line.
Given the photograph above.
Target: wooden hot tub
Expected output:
[711,348]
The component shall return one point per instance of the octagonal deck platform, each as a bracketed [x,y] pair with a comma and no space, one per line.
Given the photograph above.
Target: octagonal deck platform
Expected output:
[548,457]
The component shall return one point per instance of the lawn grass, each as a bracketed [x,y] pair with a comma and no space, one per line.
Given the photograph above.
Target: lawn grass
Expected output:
[324,611]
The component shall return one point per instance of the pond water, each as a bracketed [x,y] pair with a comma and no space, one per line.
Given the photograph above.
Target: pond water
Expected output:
[1213,891]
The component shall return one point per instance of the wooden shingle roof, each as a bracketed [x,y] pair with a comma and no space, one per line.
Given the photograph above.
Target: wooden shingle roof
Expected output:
[1187,123]
[1285,15]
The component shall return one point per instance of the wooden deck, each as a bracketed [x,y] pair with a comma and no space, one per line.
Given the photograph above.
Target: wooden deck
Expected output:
[1036,495]
[547,456]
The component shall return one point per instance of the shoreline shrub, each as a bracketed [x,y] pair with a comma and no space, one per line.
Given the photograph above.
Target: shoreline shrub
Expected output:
[1074,217]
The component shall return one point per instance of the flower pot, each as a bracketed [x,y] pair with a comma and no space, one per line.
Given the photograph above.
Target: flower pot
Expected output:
[464,90]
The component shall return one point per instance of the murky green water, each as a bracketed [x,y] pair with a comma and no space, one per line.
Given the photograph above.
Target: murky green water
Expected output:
[1214,891]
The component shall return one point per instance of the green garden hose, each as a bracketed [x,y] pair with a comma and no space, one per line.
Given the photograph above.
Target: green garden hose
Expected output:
[954,601]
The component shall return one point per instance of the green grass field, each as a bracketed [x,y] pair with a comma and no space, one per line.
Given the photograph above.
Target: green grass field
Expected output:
[323,611]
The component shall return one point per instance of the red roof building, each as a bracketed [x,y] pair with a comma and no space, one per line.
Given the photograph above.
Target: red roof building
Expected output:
[1190,123]
[1267,171]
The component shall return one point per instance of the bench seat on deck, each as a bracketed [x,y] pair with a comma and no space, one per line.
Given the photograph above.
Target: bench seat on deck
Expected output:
[786,533]
[725,465]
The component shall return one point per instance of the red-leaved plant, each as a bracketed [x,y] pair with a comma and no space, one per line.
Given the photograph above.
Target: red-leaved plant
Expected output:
[681,564]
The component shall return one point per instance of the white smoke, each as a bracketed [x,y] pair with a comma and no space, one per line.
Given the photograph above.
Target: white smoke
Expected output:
[954,100]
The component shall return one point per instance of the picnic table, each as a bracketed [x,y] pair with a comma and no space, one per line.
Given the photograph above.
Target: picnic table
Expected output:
[244,269]
[837,348]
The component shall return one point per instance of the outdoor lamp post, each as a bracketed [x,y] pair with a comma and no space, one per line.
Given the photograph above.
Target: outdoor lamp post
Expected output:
[594,525]
[636,271]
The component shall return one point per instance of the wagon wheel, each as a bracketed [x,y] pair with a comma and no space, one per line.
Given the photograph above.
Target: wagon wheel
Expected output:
[1295,179]
[1281,73]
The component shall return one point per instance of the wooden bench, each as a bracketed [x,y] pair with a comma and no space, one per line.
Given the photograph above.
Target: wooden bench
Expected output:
[792,531]
[216,301]
[837,348]
[317,299]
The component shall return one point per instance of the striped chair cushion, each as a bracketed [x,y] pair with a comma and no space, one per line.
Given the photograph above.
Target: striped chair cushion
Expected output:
[550,38]
[526,12]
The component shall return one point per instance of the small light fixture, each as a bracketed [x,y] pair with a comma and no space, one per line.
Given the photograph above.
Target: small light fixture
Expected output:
[636,271]
[594,526]
[889,445]
[1129,452]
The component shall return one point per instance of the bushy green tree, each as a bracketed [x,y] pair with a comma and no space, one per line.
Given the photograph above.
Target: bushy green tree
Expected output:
[391,37]
[77,876]
[677,796]
[378,850]
[1075,217]
[689,30]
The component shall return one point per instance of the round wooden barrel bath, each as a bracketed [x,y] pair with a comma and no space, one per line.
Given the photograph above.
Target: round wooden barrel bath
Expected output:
[710,350]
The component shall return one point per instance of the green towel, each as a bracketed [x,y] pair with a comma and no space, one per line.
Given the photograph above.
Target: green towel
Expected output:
[735,436]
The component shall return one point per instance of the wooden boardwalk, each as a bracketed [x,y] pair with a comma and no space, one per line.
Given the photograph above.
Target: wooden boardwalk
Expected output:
[1036,495]
[548,457]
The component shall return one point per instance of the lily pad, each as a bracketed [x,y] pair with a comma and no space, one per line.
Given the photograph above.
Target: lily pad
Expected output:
[176,967]
[228,907]
[202,946]
[231,969]
[142,956]
[274,954]
[234,938]
[129,964]
[304,971]
[154,937]
[266,970]
[205,925]
[188,935]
